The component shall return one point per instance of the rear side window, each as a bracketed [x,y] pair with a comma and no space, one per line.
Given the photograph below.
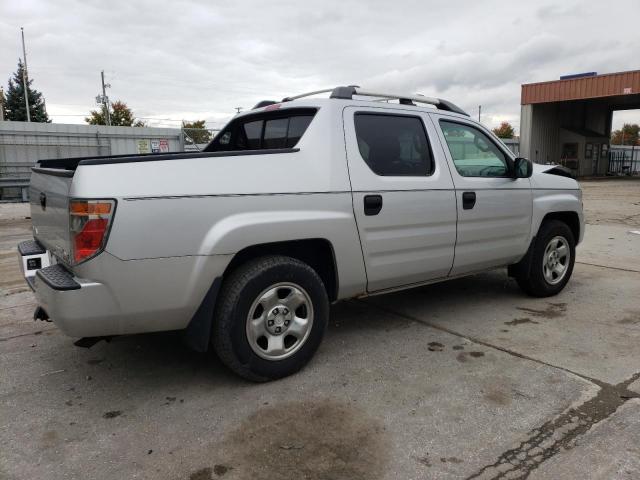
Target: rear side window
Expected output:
[297,127]
[275,133]
[278,129]
[252,132]
[393,145]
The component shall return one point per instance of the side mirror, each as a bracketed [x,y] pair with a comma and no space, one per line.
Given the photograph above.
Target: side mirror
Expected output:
[522,168]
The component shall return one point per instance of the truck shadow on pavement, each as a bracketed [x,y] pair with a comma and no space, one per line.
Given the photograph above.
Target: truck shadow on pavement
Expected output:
[163,355]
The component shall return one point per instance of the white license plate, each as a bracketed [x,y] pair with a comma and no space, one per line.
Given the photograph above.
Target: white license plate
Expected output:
[32,263]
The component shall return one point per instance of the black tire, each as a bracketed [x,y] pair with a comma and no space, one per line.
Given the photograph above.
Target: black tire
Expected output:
[532,280]
[237,295]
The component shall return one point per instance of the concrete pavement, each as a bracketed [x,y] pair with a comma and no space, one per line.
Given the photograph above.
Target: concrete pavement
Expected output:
[467,379]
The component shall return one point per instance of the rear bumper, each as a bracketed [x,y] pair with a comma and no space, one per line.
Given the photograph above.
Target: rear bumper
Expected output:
[108,296]
[56,277]
[80,308]
[86,311]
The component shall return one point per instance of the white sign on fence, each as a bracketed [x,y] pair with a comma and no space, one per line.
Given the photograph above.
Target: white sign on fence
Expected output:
[159,145]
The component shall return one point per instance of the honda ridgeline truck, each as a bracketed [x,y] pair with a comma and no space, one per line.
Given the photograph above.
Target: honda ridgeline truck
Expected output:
[292,206]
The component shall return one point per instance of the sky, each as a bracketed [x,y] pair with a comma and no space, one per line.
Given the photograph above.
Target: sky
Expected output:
[172,61]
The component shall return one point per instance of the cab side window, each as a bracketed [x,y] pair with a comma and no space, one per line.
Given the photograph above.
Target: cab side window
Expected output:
[393,145]
[474,154]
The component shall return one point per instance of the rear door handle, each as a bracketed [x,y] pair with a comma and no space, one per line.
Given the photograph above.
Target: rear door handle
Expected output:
[468,200]
[372,204]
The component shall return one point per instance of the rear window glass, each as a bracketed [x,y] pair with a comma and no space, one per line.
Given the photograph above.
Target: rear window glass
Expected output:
[272,130]
[275,133]
[252,133]
[297,126]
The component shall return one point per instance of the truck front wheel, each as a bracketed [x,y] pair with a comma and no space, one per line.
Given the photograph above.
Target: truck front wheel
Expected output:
[270,318]
[552,260]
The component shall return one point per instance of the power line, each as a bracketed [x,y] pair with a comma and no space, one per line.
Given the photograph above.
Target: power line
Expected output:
[139,117]
[157,121]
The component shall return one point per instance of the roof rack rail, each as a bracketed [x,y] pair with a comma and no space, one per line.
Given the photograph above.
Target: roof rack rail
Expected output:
[264,103]
[308,94]
[349,91]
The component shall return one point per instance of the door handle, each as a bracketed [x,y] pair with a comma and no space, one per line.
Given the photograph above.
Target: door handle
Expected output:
[468,200]
[372,204]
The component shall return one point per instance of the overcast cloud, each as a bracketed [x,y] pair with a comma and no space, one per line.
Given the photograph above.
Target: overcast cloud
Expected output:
[198,60]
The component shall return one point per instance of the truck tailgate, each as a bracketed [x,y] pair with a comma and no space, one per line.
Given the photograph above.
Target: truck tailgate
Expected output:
[49,193]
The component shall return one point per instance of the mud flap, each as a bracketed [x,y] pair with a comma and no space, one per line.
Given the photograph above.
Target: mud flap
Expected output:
[197,335]
[523,267]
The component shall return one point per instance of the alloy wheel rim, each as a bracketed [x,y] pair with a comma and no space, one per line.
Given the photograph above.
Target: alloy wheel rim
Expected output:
[555,262]
[279,321]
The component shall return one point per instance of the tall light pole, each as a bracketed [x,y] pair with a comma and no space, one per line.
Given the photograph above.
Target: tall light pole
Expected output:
[479,112]
[24,76]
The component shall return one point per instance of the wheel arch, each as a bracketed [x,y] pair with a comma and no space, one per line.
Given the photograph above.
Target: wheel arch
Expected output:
[565,206]
[318,253]
[570,218]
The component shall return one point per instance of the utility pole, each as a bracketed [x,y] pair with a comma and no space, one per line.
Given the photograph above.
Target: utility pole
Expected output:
[238,109]
[105,99]
[1,104]
[24,76]
[479,112]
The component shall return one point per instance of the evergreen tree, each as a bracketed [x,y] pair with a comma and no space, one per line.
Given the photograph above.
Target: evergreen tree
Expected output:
[15,109]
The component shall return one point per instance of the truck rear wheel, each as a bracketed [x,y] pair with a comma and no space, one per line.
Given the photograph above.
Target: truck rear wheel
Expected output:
[270,318]
[552,260]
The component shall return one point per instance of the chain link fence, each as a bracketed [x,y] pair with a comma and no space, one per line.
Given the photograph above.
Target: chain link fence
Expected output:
[195,139]
[624,160]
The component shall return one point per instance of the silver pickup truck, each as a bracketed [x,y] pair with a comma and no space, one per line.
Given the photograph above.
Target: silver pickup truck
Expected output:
[293,205]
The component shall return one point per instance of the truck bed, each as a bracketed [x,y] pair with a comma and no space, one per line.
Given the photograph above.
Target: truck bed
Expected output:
[72,163]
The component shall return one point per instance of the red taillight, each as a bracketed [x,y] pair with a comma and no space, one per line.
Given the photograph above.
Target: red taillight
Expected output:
[89,225]
[89,241]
